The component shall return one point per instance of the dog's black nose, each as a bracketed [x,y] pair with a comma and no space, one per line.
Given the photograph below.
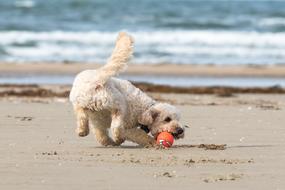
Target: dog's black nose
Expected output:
[180,131]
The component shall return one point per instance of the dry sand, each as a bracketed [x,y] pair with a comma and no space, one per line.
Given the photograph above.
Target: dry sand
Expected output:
[39,149]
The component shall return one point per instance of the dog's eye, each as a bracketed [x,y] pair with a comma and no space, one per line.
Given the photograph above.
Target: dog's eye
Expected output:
[168,119]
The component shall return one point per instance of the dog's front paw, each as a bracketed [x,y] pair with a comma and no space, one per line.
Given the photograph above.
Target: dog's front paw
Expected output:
[82,132]
[156,146]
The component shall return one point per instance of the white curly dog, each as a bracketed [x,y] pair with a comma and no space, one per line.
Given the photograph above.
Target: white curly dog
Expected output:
[105,102]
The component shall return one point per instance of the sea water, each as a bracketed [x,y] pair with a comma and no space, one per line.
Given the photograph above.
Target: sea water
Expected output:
[183,81]
[165,31]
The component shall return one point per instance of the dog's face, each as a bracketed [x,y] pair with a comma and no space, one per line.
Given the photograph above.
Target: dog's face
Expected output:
[163,117]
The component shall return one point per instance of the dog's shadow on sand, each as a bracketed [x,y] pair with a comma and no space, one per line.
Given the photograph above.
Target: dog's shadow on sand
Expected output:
[183,146]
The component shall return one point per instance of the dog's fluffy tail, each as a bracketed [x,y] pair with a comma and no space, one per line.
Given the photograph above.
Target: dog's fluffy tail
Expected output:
[119,58]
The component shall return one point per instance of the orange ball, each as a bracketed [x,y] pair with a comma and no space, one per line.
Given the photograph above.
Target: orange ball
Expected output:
[166,139]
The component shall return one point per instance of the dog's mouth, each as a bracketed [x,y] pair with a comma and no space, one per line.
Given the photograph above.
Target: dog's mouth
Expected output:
[177,136]
[178,133]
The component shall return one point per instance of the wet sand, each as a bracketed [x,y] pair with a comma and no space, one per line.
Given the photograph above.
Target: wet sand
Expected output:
[148,69]
[39,149]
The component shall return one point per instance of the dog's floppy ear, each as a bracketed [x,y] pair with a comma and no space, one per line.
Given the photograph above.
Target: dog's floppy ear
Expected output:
[148,117]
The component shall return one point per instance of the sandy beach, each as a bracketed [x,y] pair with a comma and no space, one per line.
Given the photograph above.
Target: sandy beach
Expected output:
[222,64]
[233,142]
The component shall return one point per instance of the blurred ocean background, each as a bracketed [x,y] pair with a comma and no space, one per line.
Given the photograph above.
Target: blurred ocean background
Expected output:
[165,31]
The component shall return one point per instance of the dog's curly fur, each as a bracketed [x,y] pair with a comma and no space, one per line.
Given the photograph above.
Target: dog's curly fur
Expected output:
[106,103]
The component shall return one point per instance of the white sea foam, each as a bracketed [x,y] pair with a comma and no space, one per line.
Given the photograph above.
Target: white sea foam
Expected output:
[56,36]
[24,3]
[151,47]
[157,37]
[274,21]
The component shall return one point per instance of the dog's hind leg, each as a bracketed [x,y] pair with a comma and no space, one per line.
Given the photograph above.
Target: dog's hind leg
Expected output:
[82,121]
